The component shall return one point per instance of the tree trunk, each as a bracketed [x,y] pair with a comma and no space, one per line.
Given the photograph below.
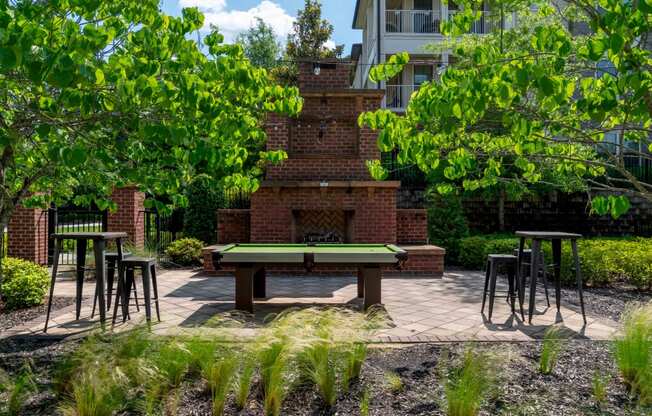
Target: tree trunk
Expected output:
[5,216]
[501,210]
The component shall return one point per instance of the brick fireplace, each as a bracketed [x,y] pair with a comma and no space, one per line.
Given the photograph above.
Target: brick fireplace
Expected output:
[323,191]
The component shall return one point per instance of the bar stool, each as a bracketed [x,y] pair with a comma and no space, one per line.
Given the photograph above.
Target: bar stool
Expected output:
[127,267]
[525,268]
[111,263]
[493,262]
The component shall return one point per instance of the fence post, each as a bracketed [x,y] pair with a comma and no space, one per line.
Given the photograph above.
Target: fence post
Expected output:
[28,234]
[130,216]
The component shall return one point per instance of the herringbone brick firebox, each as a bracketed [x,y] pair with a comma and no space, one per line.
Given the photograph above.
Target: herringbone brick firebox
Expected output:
[323,192]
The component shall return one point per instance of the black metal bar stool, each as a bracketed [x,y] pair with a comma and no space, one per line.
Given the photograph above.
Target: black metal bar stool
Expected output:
[493,262]
[112,260]
[525,269]
[127,268]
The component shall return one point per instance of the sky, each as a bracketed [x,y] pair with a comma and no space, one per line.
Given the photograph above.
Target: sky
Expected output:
[235,16]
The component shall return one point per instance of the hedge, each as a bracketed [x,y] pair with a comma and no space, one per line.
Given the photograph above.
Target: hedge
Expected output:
[602,260]
[24,283]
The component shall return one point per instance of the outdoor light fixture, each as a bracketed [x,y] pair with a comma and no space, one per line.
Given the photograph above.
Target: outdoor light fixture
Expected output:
[316,68]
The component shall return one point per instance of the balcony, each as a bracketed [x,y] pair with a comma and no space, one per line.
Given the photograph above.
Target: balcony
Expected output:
[412,21]
[398,96]
[429,21]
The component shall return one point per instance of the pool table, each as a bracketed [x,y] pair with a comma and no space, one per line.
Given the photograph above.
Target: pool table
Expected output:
[250,260]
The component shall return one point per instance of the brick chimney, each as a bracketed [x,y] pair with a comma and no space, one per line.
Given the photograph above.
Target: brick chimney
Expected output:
[324,75]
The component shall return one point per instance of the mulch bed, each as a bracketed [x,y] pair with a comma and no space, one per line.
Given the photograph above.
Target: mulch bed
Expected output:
[10,319]
[607,302]
[521,389]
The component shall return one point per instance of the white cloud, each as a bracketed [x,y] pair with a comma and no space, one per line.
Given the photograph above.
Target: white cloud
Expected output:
[215,5]
[329,44]
[232,22]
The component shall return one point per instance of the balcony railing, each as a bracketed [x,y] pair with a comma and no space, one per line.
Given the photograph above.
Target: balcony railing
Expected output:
[429,21]
[412,21]
[483,25]
[397,96]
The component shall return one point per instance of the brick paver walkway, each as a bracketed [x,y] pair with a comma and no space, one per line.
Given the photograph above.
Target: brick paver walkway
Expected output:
[421,309]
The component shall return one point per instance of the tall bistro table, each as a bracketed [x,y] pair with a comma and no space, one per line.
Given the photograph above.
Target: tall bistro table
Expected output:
[555,239]
[99,240]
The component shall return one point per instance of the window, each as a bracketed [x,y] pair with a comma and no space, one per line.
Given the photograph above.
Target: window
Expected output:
[422,73]
[422,4]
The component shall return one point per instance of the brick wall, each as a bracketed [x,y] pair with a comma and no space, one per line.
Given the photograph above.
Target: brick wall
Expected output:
[233,226]
[332,75]
[343,148]
[558,211]
[129,217]
[374,220]
[411,226]
[28,235]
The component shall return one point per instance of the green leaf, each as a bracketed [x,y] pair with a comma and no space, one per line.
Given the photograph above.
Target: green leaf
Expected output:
[619,205]
[546,86]
[376,170]
[457,111]
[99,77]
[445,189]
[596,49]
[8,58]
[616,43]
[599,205]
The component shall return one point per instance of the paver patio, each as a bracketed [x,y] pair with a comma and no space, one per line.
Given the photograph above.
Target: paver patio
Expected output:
[421,309]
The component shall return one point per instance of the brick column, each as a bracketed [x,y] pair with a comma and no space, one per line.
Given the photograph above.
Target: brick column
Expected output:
[129,217]
[28,234]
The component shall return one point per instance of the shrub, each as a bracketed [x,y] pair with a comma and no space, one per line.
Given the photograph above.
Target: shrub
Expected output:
[602,260]
[599,384]
[354,357]
[319,361]
[394,382]
[468,385]
[474,250]
[633,352]
[446,223]
[24,283]
[550,349]
[185,252]
[219,376]
[200,216]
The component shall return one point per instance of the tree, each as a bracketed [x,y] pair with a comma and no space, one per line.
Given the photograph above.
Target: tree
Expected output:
[114,93]
[555,93]
[260,45]
[308,39]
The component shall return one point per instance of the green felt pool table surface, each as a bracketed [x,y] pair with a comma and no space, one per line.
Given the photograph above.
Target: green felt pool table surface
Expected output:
[320,253]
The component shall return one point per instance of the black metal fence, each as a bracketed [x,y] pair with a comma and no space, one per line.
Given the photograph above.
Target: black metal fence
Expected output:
[409,175]
[73,219]
[236,199]
[162,229]
[640,168]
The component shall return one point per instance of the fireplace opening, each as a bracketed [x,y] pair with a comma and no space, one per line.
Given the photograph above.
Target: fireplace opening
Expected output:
[322,226]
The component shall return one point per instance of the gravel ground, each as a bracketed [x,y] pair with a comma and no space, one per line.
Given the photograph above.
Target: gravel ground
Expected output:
[608,302]
[10,319]
[520,389]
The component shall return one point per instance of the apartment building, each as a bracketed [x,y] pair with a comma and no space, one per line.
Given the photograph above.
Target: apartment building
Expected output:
[392,26]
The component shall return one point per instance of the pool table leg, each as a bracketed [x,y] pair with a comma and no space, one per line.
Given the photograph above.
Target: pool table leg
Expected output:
[260,283]
[360,283]
[244,287]
[371,277]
